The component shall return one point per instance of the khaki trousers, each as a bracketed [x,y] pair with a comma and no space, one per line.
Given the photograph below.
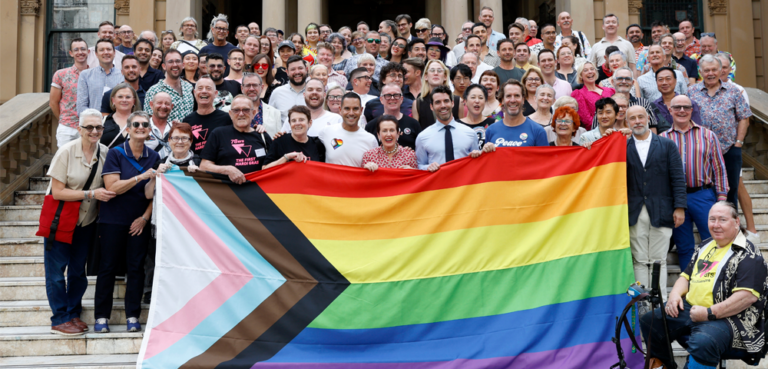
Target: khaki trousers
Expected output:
[649,244]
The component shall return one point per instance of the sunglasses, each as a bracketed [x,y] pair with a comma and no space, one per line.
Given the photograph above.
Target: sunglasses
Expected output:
[91,128]
[140,124]
[373,40]
[264,66]
[708,34]
[422,30]
[166,32]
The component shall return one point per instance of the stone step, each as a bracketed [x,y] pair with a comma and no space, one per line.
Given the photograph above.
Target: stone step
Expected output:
[756,186]
[38,313]
[759,200]
[21,246]
[28,197]
[20,212]
[27,341]
[748,174]
[18,229]
[39,183]
[673,272]
[33,288]
[123,361]
[22,266]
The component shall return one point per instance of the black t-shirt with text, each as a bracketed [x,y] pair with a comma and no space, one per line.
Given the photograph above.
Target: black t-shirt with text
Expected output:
[314,149]
[244,151]
[203,126]
[479,129]
[409,129]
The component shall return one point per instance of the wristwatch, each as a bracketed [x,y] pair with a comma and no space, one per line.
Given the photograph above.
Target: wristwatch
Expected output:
[710,316]
[740,142]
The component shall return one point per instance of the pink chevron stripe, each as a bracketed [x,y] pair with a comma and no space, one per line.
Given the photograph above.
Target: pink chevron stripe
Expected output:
[233,277]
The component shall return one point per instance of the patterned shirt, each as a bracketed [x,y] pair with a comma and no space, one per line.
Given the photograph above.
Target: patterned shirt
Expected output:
[351,64]
[583,42]
[693,48]
[91,85]
[258,119]
[66,81]
[182,104]
[703,161]
[731,75]
[721,113]
[403,156]
[640,50]
[338,78]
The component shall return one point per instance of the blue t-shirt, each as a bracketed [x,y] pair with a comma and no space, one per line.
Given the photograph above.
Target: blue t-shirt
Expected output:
[123,209]
[529,133]
[221,50]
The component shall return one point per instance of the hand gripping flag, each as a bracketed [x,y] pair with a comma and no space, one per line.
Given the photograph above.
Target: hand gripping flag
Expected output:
[519,258]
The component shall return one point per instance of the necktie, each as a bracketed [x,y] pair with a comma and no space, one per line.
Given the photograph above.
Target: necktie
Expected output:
[448,144]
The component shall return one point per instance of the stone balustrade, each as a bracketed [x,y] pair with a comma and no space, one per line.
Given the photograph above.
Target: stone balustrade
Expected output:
[27,141]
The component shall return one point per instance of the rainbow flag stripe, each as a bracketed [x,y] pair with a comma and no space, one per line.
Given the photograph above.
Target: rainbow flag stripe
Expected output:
[519,258]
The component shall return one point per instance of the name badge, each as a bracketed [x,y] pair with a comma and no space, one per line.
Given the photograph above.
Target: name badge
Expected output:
[261,152]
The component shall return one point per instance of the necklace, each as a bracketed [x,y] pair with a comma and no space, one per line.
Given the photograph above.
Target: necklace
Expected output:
[390,152]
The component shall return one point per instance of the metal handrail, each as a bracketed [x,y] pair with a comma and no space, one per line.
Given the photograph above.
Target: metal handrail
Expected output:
[26,126]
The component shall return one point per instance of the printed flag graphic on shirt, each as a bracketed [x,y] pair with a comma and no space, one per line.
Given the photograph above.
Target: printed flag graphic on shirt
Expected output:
[487,263]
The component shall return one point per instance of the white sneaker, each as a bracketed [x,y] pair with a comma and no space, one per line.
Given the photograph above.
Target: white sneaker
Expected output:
[753,237]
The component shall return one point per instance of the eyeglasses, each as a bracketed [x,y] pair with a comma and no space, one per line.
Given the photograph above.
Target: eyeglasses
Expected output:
[681,107]
[216,66]
[358,39]
[466,29]
[179,139]
[142,124]
[563,121]
[91,128]
[373,40]
[533,79]
[334,97]
[190,25]
[240,111]
[392,96]
[221,29]
[395,76]
[125,32]
[367,78]
[624,79]
[422,30]
[251,85]
[397,44]
[623,107]
[264,66]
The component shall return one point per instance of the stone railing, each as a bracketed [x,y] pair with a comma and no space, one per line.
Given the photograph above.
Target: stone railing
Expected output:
[27,141]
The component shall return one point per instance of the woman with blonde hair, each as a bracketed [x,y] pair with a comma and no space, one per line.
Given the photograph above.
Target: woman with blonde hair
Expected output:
[123,101]
[435,74]
[423,28]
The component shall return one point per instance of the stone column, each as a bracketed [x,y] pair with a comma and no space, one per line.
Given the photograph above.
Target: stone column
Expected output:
[309,11]
[432,12]
[583,15]
[621,9]
[741,36]
[498,14]
[141,15]
[273,15]
[455,13]
[176,10]
[635,7]
[29,10]
[9,26]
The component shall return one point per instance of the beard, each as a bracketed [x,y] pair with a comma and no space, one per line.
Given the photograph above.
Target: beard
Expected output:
[301,82]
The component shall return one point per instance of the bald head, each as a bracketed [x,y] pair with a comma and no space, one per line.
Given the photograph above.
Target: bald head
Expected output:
[637,119]
[681,109]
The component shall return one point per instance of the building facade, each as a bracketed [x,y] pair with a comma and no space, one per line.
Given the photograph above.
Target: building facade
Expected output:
[36,32]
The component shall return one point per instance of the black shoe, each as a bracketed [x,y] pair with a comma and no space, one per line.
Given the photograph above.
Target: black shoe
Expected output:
[148,297]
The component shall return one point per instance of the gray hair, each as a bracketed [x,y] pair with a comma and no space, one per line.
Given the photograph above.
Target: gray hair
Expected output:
[473,54]
[389,38]
[251,74]
[90,112]
[623,68]
[703,36]
[545,86]
[709,58]
[366,57]
[189,19]
[724,59]
[734,213]
[139,113]
[154,35]
[623,56]
[565,100]
[423,23]
[524,20]
[220,18]
[340,37]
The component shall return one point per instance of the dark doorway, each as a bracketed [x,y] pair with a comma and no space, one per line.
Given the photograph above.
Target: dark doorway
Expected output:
[238,12]
[671,12]
[350,12]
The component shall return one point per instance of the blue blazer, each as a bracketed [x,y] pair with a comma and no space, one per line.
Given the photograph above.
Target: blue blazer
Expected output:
[659,184]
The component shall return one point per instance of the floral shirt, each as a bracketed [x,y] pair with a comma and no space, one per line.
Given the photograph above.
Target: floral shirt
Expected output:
[721,113]
[66,81]
[640,50]
[403,156]
[693,48]
[745,268]
[182,104]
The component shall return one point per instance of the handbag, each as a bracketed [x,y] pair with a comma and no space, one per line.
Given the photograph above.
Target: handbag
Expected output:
[58,219]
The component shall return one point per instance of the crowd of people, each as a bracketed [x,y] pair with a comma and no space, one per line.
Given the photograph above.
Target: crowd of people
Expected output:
[394,97]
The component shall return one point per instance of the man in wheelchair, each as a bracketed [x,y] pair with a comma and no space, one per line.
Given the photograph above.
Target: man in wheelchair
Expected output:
[715,309]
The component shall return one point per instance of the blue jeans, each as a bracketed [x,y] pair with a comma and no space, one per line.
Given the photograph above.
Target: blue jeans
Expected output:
[699,204]
[117,245]
[708,341]
[65,298]
[733,171]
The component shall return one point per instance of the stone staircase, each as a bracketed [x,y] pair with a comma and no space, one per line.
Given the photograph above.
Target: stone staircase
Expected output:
[25,338]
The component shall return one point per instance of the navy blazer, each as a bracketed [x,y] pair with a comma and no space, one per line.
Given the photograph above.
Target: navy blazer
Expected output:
[659,185]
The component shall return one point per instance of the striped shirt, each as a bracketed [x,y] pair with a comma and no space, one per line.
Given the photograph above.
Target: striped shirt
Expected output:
[703,162]
[91,85]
